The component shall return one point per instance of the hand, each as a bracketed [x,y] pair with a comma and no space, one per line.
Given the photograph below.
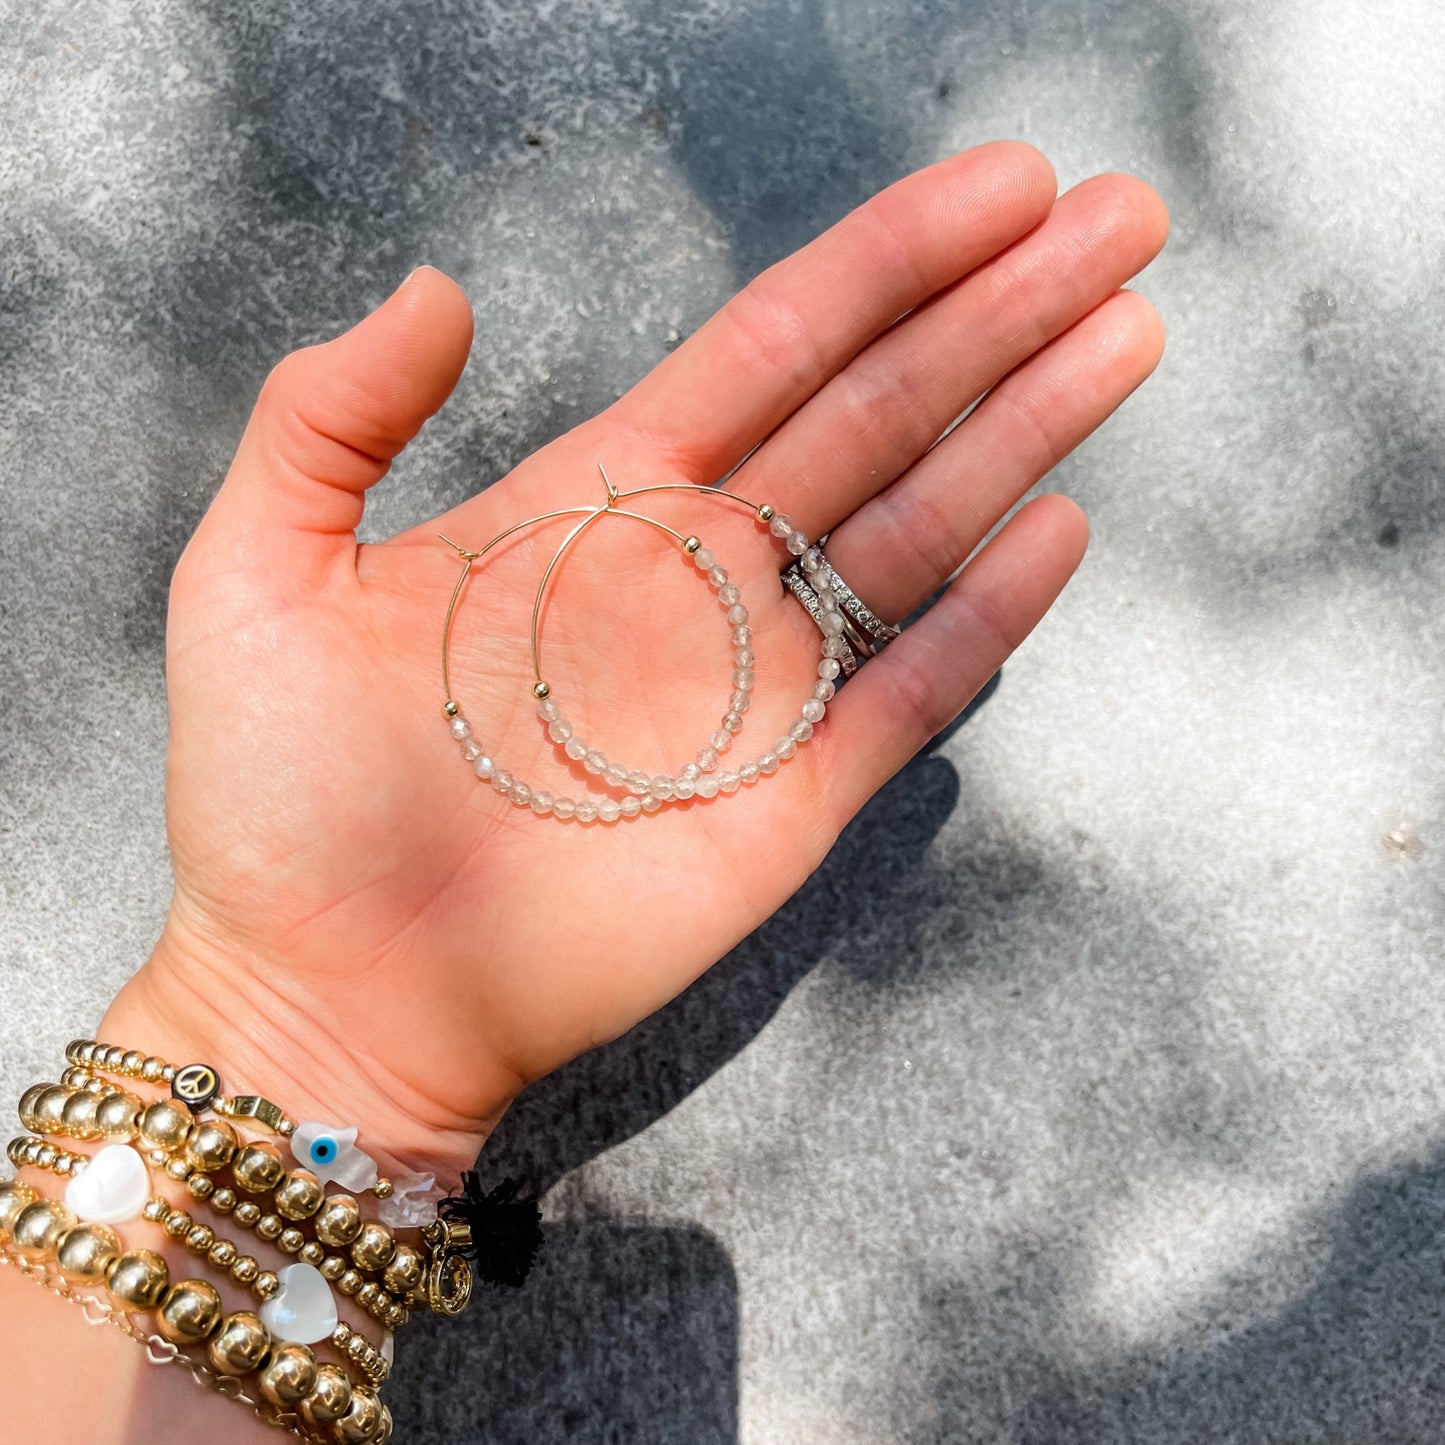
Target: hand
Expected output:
[362,929]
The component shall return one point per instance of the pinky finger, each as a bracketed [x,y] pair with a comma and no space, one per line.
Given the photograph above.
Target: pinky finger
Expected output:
[919,684]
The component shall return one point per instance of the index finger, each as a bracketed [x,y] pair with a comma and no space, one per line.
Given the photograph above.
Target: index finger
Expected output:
[797,324]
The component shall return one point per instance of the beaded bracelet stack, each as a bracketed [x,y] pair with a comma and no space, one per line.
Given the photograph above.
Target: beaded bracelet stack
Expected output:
[72,1244]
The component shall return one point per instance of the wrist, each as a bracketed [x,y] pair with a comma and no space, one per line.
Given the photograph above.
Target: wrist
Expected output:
[197,999]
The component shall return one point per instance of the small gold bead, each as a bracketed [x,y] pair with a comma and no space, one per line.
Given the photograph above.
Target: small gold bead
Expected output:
[212,1145]
[329,1397]
[299,1195]
[14,1197]
[118,1116]
[239,1345]
[168,1073]
[362,1421]
[406,1270]
[269,1226]
[348,1284]
[114,1057]
[766,513]
[132,1062]
[383,1188]
[248,1212]
[200,1238]
[201,1186]
[286,1128]
[158,1157]
[178,1223]
[73,1050]
[290,1240]
[165,1125]
[332,1267]
[265,1285]
[311,1253]
[86,1253]
[223,1254]
[258,1167]
[450,709]
[156,1210]
[341,1334]
[28,1100]
[339,1220]
[223,1201]
[152,1070]
[289,1375]
[368,1294]
[49,1109]
[138,1280]
[374,1246]
[38,1227]
[33,1148]
[245,1270]
[178,1169]
[74,1078]
[46,1155]
[690,545]
[541,691]
[190,1312]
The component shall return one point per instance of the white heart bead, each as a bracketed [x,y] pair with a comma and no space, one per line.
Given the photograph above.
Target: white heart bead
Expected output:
[112,1188]
[303,1310]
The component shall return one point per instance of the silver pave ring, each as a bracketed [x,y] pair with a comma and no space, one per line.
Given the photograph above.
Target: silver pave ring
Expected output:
[839,612]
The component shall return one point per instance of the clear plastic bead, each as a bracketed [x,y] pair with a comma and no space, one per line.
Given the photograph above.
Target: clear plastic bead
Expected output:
[745,657]
[829,668]
[727,781]
[502,781]
[564,808]
[472,749]
[729,595]
[824,690]
[703,560]
[718,576]
[638,783]
[834,646]
[522,794]
[743,679]
[649,803]
[631,807]
[559,731]
[662,787]
[733,722]
[768,763]
[813,710]
[707,759]
[781,525]
[484,767]
[748,773]
[616,775]
[707,786]
[542,802]
[683,789]
[785,748]
[586,811]
[737,614]
[596,761]
[720,741]
[460,728]
[609,810]
[575,749]
[796,543]
[742,635]
[549,710]
[801,730]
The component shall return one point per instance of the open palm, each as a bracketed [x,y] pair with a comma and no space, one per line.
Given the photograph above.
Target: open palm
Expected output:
[411,946]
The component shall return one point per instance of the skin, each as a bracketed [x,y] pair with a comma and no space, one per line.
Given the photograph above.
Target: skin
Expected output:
[343,882]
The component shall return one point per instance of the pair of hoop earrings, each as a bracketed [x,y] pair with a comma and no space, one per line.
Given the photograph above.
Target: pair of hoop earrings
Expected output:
[640,791]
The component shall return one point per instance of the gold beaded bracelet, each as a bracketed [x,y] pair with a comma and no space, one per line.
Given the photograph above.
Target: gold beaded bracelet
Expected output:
[306,1397]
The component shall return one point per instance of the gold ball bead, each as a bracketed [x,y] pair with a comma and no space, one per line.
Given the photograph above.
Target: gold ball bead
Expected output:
[28,1100]
[223,1254]
[118,1116]
[156,1210]
[348,1284]
[14,1197]
[265,1285]
[289,1375]
[86,1253]
[269,1226]
[299,1195]
[153,1070]
[311,1253]
[541,691]
[247,1213]
[240,1344]
[178,1223]
[223,1201]
[245,1270]
[114,1057]
[200,1238]
[165,1125]
[46,1155]
[766,513]
[190,1312]
[329,1398]
[374,1246]
[73,1049]
[339,1220]
[368,1294]
[332,1267]
[179,1169]
[450,709]
[132,1062]
[405,1272]
[138,1280]
[49,1109]
[201,1186]
[212,1145]
[290,1240]
[38,1227]
[77,1118]
[384,1434]
[383,1188]
[258,1167]
[691,545]
[362,1421]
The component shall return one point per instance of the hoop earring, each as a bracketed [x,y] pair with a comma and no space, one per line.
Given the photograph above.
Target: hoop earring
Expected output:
[643,793]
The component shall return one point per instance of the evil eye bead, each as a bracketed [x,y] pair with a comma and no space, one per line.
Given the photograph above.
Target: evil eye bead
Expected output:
[331,1154]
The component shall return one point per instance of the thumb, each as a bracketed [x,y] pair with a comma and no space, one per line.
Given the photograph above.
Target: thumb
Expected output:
[328,422]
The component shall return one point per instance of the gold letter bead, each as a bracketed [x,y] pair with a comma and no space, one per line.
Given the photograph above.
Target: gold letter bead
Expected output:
[240,1344]
[329,1398]
[289,1375]
[86,1253]
[138,1280]
[258,1167]
[190,1312]
[38,1228]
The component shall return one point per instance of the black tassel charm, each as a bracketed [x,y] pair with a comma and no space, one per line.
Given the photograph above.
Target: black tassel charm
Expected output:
[506,1232]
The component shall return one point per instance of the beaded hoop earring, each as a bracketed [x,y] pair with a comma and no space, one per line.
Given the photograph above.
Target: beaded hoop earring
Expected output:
[642,792]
